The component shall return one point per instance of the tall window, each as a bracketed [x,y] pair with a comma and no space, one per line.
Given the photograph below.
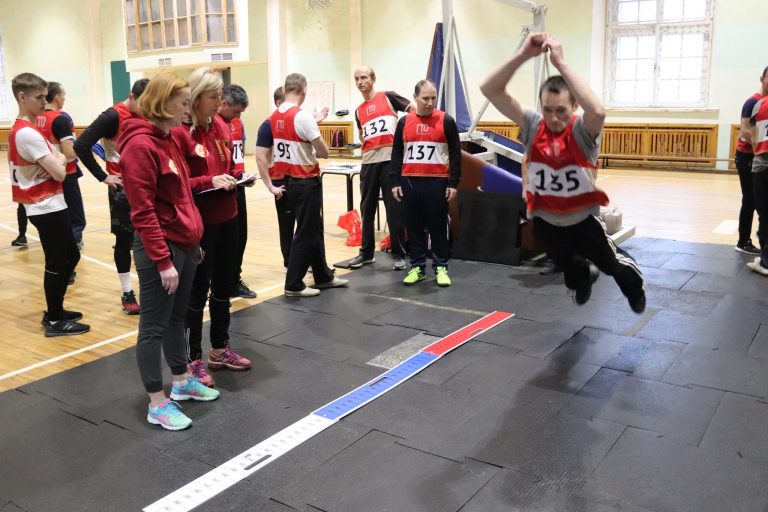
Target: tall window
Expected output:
[657,53]
[152,25]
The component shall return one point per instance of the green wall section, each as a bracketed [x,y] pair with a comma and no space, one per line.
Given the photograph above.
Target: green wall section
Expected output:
[121,81]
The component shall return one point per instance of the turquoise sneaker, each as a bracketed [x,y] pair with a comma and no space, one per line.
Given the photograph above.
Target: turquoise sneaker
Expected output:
[168,415]
[441,275]
[193,390]
[414,276]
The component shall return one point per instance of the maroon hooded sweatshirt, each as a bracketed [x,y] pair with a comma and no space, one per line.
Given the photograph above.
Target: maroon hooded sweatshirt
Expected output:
[156,182]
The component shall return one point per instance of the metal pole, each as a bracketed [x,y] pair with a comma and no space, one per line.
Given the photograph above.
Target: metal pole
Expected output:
[462,73]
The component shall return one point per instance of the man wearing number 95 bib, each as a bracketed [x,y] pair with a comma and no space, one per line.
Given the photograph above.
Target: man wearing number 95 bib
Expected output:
[562,150]
[425,171]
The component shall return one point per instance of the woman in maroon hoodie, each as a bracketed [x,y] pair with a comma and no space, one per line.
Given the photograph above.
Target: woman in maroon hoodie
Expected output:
[214,181]
[166,249]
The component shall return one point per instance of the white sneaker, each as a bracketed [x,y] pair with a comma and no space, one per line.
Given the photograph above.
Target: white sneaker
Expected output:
[758,267]
[336,282]
[306,292]
[399,264]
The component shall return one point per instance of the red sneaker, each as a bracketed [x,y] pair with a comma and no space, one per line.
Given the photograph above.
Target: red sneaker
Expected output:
[130,306]
[228,359]
[198,370]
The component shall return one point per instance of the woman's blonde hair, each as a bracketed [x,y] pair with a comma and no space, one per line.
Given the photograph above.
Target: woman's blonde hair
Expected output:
[160,89]
[201,80]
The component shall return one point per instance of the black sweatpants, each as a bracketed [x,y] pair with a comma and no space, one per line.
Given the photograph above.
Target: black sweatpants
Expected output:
[426,212]
[760,184]
[286,222]
[74,199]
[61,257]
[573,247]
[161,324]
[747,211]
[220,247]
[121,227]
[308,247]
[21,219]
[242,233]
[374,178]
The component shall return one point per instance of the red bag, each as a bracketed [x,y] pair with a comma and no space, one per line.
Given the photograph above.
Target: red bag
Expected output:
[351,223]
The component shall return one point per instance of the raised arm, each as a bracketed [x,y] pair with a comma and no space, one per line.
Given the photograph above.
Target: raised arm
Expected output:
[494,87]
[594,111]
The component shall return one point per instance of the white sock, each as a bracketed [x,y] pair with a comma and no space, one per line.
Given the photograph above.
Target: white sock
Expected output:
[180,382]
[125,281]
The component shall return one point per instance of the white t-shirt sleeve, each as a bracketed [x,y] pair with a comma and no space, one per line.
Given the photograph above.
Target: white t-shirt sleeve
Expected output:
[31,145]
[306,126]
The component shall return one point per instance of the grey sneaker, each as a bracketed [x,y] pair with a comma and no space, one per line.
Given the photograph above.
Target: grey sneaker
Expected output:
[398,264]
[336,282]
[359,260]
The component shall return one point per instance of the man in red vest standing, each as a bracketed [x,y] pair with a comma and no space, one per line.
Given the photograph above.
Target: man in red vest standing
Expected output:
[107,128]
[425,171]
[562,150]
[376,118]
[759,127]
[297,145]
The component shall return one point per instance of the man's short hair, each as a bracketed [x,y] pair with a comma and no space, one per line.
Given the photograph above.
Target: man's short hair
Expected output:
[420,85]
[371,72]
[556,84]
[765,71]
[54,89]
[26,82]
[294,83]
[235,95]
[278,96]
[138,87]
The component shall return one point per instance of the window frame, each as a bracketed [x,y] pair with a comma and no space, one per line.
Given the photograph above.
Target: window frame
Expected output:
[196,13]
[657,28]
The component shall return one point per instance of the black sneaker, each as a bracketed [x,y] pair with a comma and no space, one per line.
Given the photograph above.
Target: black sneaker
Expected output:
[66,328]
[583,293]
[242,290]
[637,303]
[72,277]
[20,241]
[746,248]
[67,315]
[359,260]
[550,267]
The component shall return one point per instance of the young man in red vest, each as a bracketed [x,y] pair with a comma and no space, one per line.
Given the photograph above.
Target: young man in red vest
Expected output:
[37,170]
[743,160]
[59,130]
[376,119]
[297,145]
[107,128]
[562,150]
[425,171]
[759,139]
[234,101]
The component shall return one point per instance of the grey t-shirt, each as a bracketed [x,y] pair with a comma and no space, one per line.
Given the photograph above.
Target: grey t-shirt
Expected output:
[759,162]
[589,146]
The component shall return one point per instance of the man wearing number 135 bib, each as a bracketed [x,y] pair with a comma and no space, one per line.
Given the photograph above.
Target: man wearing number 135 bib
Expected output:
[562,150]
[425,171]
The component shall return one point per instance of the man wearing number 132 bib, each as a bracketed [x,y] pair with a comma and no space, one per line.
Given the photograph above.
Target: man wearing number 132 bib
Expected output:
[562,150]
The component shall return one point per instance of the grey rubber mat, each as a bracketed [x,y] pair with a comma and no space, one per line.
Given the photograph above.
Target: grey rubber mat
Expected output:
[438,322]
[263,321]
[535,339]
[759,346]
[349,304]
[666,278]
[739,426]
[702,331]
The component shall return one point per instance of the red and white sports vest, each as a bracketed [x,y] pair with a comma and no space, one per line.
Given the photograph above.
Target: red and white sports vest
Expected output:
[293,156]
[743,146]
[235,126]
[378,120]
[45,125]
[561,181]
[761,123]
[425,147]
[110,145]
[30,182]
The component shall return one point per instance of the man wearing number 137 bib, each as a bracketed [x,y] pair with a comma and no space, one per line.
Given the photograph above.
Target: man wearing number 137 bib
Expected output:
[562,150]
[425,171]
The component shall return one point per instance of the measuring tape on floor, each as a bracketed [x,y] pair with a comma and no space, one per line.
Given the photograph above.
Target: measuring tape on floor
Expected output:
[253,459]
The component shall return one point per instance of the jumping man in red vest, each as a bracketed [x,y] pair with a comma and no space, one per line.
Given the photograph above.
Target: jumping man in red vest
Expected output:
[425,171]
[37,170]
[376,118]
[297,145]
[743,159]
[562,150]
[107,128]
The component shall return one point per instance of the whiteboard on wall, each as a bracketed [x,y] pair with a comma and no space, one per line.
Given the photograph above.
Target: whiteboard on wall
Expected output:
[319,95]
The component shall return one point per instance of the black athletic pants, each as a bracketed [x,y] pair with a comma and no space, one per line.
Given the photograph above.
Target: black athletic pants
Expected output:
[161,324]
[242,233]
[571,246]
[121,227]
[760,184]
[220,249]
[286,222]
[426,212]
[374,178]
[61,257]
[747,211]
[308,247]
[21,219]
[74,199]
